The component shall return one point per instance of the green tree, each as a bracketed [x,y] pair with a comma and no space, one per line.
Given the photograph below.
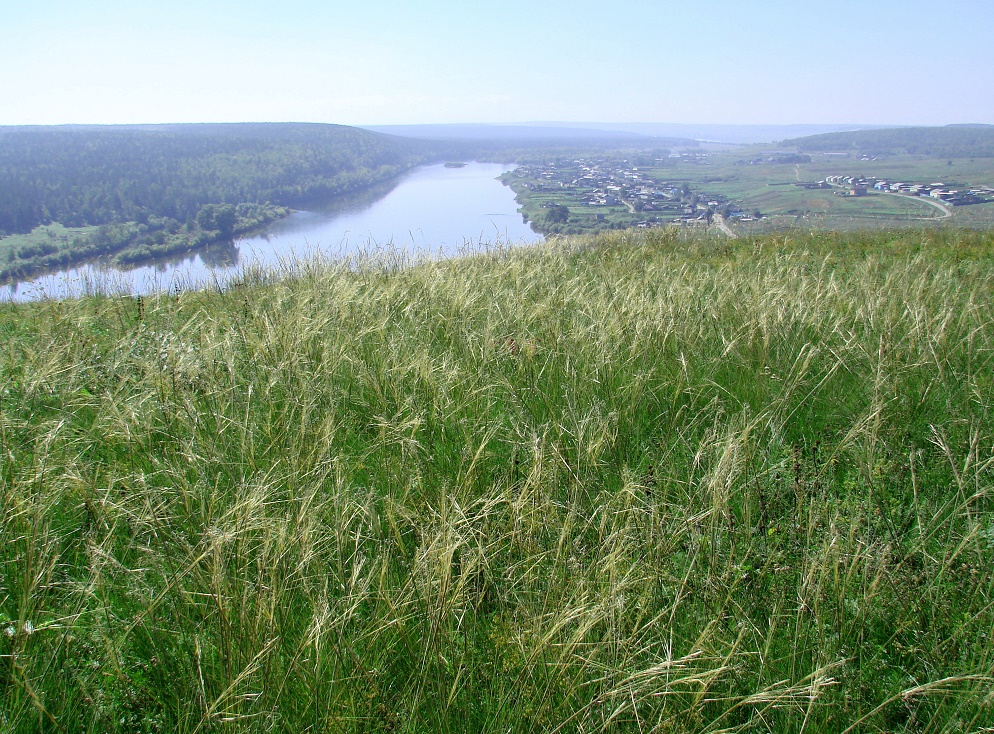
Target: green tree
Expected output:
[205,217]
[557,214]
[225,219]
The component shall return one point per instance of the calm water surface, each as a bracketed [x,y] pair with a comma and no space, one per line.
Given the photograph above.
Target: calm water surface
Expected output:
[434,209]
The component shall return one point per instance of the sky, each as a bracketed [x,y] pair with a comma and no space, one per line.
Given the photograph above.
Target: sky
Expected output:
[383,62]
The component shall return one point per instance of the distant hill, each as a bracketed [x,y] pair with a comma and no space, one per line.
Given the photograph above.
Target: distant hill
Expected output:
[952,141]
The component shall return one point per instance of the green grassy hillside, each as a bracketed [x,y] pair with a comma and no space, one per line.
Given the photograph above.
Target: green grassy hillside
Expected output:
[622,484]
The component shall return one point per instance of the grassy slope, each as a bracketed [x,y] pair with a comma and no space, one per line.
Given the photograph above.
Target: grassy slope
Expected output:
[600,485]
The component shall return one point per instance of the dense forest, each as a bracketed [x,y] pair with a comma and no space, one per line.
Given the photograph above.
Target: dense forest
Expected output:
[163,189]
[952,141]
[97,175]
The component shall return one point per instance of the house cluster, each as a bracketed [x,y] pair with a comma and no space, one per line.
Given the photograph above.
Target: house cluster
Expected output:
[862,185]
[596,183]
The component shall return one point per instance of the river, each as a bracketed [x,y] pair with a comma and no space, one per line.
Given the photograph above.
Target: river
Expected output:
[431,209]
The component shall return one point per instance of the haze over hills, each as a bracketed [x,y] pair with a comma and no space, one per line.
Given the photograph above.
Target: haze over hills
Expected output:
[543,132]
[83,175]
[568,367]
[731,134]
[672,133]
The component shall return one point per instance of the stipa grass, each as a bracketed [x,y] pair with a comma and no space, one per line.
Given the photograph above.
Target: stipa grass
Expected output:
[619,484]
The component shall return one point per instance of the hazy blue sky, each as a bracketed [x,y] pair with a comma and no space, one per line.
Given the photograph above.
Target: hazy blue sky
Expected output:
[392,62]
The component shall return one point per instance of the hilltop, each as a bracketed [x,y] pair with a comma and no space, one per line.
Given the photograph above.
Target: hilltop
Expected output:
[627,483]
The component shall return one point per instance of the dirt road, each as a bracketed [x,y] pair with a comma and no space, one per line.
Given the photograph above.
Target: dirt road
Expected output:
[719,222]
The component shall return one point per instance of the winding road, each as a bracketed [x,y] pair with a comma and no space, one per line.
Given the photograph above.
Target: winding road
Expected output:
[946,211]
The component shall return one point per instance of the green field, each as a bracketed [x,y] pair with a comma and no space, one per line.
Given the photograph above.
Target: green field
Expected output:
[620,484]
[770,188]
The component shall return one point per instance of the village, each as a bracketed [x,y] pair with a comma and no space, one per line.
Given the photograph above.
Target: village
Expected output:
[602,193]
[951,194]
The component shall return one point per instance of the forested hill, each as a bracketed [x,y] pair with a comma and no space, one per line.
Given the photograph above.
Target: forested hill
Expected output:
[952,141]
[91,175]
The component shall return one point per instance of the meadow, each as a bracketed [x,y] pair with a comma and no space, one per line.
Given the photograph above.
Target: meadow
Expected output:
[626,483]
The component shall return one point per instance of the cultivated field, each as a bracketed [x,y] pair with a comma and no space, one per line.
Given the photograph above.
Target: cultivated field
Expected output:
[633,483]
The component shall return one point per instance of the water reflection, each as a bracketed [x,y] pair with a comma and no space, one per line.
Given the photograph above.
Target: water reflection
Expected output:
[354,202]
[220,255]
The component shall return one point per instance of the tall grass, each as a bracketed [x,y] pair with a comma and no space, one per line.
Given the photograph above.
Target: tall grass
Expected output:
[629,483]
